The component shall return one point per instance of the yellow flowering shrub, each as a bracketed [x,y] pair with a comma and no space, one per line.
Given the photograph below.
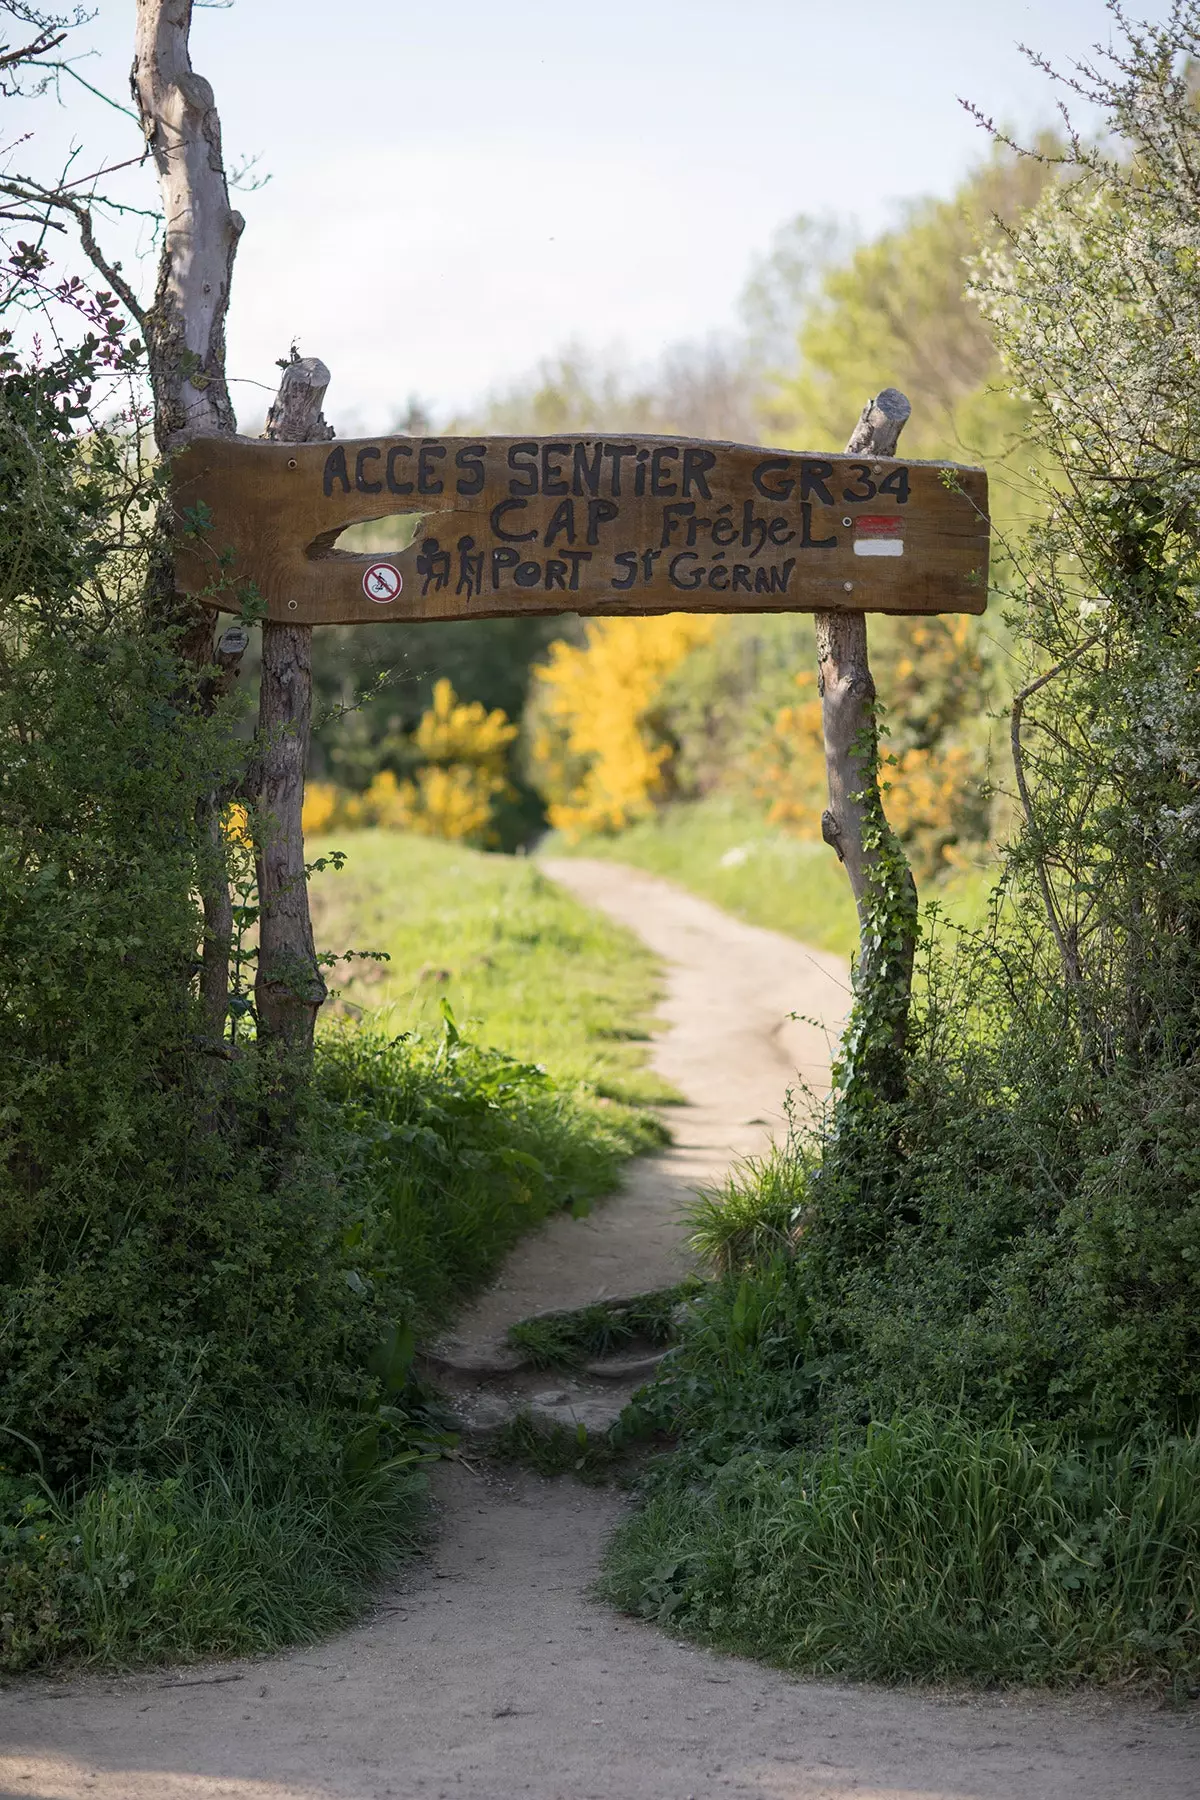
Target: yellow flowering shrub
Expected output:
[597,755]
[933,685]
[321,803]
[455,801]
[235,826]
[461,778]
[463,732]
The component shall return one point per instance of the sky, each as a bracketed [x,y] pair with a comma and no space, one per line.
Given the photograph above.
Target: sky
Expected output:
[458,189]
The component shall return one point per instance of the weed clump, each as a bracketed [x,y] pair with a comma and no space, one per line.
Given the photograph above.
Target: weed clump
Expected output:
[564,1340]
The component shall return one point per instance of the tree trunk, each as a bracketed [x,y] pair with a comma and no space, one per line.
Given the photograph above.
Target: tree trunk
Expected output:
[185,346]
[289,988]
[854,822]
[186,340]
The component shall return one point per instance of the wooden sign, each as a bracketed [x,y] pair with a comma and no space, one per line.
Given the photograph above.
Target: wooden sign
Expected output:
[594,525]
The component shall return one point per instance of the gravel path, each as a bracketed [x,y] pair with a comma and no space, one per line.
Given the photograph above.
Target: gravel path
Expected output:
[489,1674]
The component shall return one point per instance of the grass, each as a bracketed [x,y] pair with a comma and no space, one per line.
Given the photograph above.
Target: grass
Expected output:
[458,1150]
[724,850]
[218,1560]
[564,1340]
[932,1549]
[552,1449]
[530,971]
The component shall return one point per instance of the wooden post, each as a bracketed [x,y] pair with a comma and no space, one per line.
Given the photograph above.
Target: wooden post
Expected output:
[289,987]
[854,822]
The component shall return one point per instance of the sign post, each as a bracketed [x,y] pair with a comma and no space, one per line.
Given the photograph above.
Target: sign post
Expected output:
[595,525]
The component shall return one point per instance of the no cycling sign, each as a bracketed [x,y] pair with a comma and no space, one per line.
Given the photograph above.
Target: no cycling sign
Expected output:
[382,582]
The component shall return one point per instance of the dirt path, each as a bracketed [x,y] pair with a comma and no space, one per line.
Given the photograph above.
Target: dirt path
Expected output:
[489,1674]
[729,1047]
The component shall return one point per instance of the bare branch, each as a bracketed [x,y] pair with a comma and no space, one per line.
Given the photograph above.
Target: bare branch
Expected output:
[39,47]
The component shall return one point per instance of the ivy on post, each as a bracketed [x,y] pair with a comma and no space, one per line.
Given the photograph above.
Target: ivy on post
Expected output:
[854,822]
[289,988]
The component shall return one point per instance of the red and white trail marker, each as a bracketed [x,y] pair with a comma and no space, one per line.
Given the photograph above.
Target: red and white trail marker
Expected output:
[382,582]
[878,535]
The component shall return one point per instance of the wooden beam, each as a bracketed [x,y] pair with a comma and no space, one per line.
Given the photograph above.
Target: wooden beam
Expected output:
[509,526]
[185,347]
[185,340]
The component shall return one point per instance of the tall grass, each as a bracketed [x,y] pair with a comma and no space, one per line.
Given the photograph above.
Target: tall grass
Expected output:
[458,1150]
[934,1549]
[222,1559]
[259,1512]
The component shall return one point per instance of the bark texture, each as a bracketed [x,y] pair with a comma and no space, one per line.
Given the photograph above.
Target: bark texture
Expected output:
[186,325]
[289,988]
[853,822]
[185,347]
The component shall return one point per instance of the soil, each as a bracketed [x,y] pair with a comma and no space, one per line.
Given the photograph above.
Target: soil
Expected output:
[488,1673]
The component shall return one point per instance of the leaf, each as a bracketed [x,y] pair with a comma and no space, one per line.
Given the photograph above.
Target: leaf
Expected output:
[453,1035]
[393,1357]
[361,1454]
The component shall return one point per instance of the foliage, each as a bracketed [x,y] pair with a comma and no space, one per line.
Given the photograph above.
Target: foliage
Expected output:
[928,1547]
[167,1290]
[895,311]
[372,686]
[205,1319]
[564,1340]
[1021,1229]
[233,1396]
[455,1151]
[458,756]
[735,711]
[551,1449]
[749,1219]
[828,323]
[934,686]
[1000,1259]
[597,756]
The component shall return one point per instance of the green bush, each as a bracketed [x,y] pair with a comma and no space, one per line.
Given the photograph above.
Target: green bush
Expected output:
[931,1548]
[994,1243]
[216,1378]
